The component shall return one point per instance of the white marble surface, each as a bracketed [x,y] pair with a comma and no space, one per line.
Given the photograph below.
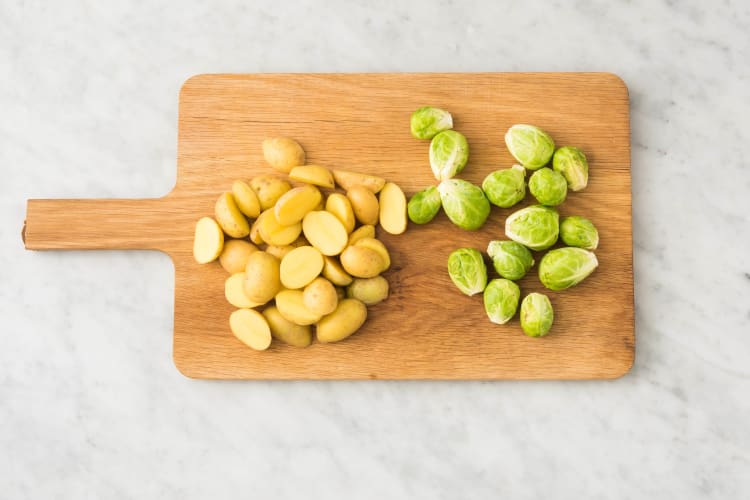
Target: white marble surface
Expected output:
[90,403]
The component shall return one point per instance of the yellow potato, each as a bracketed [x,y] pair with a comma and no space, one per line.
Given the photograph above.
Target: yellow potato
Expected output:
[362,262]
[255,236]
[378,246]
[325,232]
[279,251]
[348,180]
[247,200]
[251,328]
[274,233]
[293,205]
[369,291]
[269,189]
[320,296]
[229,217]
[392,209]
[312,174]
[334,273]
[365,204]
[366,231]
[300,266]
[340,206]
[234,291]
[262,280]
[235,254]
[348,317]
[286,331]
[283,153]
[208,242]
[292,307]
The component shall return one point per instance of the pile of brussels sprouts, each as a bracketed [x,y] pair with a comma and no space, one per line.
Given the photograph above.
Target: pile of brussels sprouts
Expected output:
[536,227]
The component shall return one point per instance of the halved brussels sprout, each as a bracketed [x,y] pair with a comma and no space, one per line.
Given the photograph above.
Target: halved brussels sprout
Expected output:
[548,187]
[427,122]
[506,187]
[424,205]
[536,315]
[530,145]
[566,267]
[576,231]
[449,153]
[501,298]
[511,260]
[535,227]
[464,203]
[467,270]
[571,163]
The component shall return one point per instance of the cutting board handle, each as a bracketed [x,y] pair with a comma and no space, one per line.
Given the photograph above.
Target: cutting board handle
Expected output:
[95,224]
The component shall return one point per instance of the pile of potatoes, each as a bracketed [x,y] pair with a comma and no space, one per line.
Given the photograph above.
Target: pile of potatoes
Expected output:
[306,254]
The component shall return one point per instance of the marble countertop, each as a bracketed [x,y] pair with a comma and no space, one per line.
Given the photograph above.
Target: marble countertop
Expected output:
[91,405]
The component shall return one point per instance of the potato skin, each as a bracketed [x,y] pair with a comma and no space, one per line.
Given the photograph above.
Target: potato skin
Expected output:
[262,277]
[320,296]
[235,254]
[229,217]
[348,317]
[283,153]
[364,204]
[362,262]
[284,330]
[368,290]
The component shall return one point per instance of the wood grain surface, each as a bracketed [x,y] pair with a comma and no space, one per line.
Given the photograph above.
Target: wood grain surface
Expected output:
[426,329]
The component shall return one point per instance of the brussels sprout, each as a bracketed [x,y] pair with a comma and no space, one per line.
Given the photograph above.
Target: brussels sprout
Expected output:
[427,122]
[506,187]
[535,227]
[424,206]
[548,187]
[565,267]
[449,153]
[511,260]
[501,298]
[572,164]
[536,315]
[467,270]
[531,146]
[464,203]
[576,231]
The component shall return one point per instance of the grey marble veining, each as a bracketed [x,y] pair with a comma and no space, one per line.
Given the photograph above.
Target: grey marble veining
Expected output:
[90,403]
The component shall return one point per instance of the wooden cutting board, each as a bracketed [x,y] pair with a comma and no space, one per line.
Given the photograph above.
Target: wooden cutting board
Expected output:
[426,329]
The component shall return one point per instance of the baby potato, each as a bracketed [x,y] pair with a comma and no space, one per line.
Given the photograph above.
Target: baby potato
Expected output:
[348,317]
[234,292]
[255,236]
[378,246]
[362,262]
[348,180]
[392,209]
[283,153]
[340,206]
[334,273]
[312,174]
[262,277]
[325,232]
[274,233]
[269,189]
[247,200]
[286,331]
[366,231]
[208,242]
[251,328]
[364,204]
[300,266]
[229,217]
[369,291]
[292,307]
[235,254]
[320,296]
[293,205]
